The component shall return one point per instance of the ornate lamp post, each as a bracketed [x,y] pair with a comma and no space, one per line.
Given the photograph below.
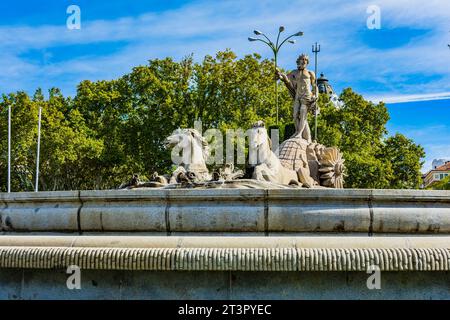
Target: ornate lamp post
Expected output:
[275,49]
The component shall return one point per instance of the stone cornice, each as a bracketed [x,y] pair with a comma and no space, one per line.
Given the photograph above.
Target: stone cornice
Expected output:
[227,194]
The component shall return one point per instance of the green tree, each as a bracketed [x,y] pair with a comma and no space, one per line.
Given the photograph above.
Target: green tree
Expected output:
[405,157]
[23,140]
[112,129]
[444,184]
[66,148]
[232,93]
[134,114]
[358,128]
[104,108]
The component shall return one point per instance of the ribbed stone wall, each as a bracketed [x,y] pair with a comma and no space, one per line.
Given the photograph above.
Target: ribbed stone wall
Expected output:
[222,259]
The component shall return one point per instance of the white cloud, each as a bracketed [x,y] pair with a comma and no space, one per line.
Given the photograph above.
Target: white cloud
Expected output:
[205,27]
[411,97]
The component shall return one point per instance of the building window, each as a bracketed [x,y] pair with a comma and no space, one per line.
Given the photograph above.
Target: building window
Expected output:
[436,176]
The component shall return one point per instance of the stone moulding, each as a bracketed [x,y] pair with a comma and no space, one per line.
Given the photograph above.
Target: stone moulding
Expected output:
[228,259]
[228,210]
[226,253]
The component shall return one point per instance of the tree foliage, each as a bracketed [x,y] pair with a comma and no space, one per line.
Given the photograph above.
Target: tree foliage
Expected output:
[373,160]
[114,128]
[444,184]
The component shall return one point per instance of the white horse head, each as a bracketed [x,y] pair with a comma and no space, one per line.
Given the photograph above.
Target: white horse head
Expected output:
[193,147]
[259,143]
[267,165]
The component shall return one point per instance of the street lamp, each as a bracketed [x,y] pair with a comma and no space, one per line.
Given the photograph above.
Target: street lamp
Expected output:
[275,49]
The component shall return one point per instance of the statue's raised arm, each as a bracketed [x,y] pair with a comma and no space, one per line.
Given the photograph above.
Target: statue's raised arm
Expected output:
[288,83]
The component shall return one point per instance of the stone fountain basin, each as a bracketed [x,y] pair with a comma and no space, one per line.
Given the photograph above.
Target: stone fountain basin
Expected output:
[267,212]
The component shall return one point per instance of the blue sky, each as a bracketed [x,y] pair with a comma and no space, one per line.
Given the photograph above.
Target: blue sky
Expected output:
[406,63]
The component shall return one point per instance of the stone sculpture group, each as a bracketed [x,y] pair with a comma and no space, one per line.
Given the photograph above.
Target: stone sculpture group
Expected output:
[301,162]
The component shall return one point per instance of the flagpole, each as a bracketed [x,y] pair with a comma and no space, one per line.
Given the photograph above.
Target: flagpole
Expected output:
[9,148]
[38,151]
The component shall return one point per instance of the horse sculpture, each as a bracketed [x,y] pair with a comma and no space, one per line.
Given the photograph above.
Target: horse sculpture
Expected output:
[267,166]
[194,153]
[190,152]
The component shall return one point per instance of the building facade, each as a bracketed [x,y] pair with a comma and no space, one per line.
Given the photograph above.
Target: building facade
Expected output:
[436,174]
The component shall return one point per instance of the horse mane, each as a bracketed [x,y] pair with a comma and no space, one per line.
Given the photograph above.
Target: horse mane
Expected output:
[200,140]
[261,124]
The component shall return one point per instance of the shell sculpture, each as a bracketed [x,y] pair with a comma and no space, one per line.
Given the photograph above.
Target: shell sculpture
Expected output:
[332,168]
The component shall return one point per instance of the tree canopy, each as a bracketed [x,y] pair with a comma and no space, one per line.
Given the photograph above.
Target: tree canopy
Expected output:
[373,160]
[444,184]
[112,129]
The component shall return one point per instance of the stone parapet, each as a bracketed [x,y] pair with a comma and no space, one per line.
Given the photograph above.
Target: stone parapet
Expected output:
[236,211]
